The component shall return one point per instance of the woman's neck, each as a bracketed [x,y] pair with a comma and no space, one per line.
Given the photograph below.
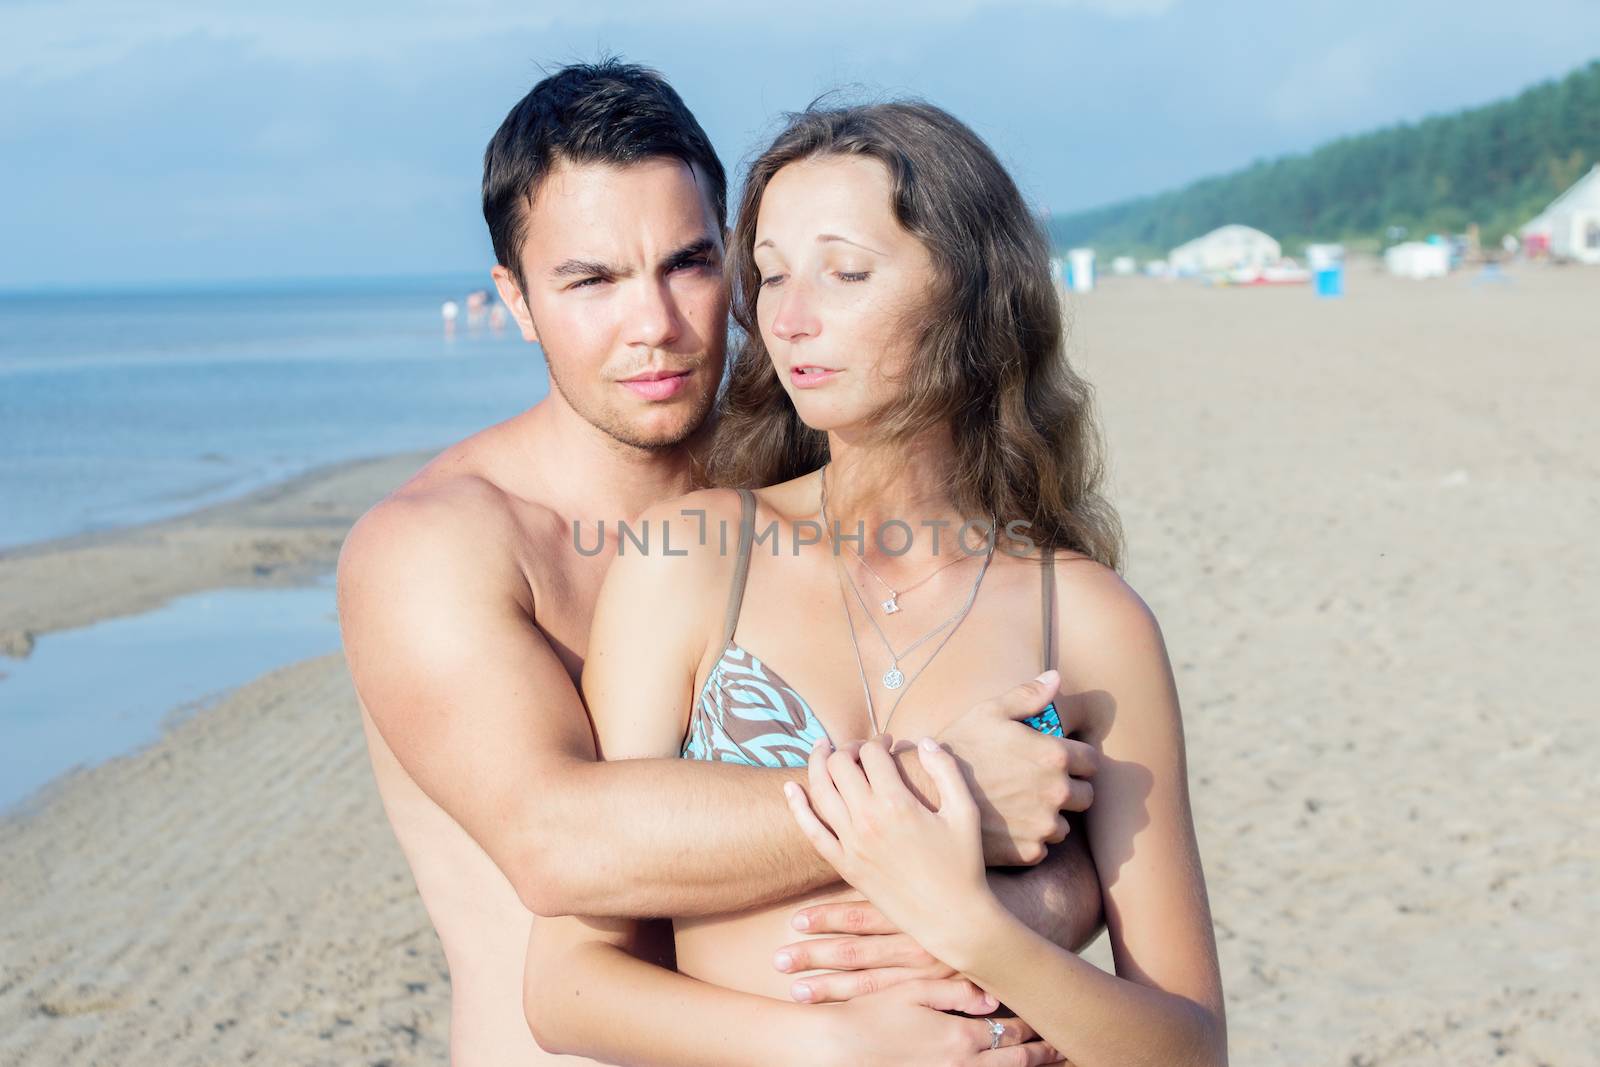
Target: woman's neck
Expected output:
[876,488]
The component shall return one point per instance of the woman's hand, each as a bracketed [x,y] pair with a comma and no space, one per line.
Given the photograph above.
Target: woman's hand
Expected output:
[923,869]
[911,1025]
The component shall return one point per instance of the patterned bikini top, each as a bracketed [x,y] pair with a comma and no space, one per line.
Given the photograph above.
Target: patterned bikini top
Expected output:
[747,714]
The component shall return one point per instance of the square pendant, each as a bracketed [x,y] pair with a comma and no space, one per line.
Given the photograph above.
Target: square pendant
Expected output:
[890,607]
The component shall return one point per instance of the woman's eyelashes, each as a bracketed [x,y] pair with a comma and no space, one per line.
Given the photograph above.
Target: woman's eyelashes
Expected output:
[770,280]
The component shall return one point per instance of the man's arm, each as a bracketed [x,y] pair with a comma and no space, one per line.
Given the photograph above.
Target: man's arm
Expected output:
[480,711]
[468,692]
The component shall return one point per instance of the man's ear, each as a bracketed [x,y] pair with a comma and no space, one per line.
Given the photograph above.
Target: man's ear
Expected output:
[511,296]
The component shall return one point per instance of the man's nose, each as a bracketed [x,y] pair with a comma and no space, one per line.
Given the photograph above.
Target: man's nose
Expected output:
[653,319]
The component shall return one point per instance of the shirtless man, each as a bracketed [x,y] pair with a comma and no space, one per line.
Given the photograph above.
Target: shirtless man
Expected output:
[466,608]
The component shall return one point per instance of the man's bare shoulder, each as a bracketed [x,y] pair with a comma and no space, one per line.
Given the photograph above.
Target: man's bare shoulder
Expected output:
[451,526]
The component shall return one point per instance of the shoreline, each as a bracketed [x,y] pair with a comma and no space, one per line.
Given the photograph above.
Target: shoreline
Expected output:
[284,533]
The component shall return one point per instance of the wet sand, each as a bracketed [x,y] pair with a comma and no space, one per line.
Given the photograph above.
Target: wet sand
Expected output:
[1367,528]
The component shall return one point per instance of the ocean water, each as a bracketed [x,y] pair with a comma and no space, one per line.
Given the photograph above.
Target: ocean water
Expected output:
[122,407]
[88,694]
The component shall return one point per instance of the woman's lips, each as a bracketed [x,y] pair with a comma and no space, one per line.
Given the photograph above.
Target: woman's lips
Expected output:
[659,386]
[804,377]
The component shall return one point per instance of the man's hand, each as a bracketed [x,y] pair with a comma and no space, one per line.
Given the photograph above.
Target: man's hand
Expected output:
[871,956]
[1022,779]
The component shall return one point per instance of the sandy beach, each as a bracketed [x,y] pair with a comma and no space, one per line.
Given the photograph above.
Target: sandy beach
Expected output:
[1365,524]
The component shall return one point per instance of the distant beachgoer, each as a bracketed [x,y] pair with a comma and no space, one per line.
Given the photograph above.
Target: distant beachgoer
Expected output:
[450,312]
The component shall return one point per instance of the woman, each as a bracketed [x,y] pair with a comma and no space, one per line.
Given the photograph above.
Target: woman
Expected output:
[902,378]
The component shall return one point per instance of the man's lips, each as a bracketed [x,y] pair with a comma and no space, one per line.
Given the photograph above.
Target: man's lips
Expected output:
[658,384]
[809,376]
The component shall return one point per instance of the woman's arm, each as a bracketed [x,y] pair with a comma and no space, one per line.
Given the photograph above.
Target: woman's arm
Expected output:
[1164,1005]
[586,993]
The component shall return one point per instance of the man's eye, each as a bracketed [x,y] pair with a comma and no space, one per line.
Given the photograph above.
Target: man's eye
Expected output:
[695,263]
[586,283]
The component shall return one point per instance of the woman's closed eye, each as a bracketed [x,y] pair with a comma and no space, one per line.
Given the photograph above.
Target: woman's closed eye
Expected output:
[772,279]
[853,275]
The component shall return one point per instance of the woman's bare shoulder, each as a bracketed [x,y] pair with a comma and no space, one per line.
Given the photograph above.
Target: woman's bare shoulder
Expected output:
[1106,634]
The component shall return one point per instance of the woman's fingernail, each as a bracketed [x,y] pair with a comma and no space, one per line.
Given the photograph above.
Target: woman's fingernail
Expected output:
[989,1001]
[801,921]
[800,991]
[929,744]
[783,961]
[1047,676]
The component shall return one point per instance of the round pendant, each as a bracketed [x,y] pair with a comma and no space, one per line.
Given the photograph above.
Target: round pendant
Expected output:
[894,679]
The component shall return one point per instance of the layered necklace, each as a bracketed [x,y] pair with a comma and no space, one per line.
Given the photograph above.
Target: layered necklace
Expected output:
[894,678]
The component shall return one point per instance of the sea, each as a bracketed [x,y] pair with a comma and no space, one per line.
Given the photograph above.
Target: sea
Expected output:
[123,407]
[118,408]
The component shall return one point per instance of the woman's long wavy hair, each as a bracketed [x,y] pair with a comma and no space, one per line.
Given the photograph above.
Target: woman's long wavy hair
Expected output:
[988,363]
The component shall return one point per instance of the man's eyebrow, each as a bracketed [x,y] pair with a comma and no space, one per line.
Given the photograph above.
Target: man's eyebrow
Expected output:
[585,268]
[698,247]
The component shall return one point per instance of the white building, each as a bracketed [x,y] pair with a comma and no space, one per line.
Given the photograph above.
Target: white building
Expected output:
[1225,249]
[1571,224]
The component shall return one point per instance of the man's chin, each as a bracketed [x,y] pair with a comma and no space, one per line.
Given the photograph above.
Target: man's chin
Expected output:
[656,434]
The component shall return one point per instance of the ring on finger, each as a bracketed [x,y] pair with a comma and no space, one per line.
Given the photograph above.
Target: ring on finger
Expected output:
[997,1032]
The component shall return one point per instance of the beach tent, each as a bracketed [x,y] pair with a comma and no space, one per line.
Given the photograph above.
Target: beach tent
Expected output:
[1570,226]
[1224,249]
[1418,259]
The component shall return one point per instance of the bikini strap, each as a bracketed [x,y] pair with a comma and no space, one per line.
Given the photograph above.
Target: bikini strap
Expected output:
[741,568]
[1048,576]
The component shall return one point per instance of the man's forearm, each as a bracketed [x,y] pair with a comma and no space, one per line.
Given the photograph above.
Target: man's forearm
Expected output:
[1060,898]
[650,838]
[656,838]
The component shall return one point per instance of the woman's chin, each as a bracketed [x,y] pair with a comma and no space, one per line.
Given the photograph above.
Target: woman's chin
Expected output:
[828,418]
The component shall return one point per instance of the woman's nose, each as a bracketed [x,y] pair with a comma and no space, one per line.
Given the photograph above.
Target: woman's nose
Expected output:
[796,318]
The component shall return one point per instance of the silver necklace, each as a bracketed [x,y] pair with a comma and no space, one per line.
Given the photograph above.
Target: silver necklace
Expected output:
[894,678]
[892,605]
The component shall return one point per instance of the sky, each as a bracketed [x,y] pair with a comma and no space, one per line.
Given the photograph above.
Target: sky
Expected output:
[144,144]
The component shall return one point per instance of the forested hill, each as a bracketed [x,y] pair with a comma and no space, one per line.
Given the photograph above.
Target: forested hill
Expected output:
[1496,165]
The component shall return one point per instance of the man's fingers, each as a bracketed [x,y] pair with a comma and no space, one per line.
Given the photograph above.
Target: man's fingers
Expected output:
[955,796]
[1080,795]
[843,917]
[1083,759]
[851,954]
[1030,697]
[837,986]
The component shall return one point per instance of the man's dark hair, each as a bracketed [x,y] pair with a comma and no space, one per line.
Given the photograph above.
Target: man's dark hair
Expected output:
[606,112]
